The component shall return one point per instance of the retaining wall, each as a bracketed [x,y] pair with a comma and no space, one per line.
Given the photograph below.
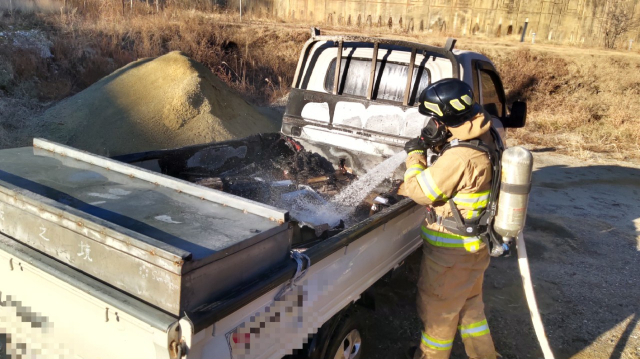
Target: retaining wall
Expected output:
[572,21]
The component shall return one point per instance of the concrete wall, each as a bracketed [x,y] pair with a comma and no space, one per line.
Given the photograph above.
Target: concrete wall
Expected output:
[569,21]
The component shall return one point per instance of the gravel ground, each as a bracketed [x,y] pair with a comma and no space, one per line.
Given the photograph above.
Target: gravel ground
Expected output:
[583,241]
[18,121]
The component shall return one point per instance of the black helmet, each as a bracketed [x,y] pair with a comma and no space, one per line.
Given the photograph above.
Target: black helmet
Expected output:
[449,101]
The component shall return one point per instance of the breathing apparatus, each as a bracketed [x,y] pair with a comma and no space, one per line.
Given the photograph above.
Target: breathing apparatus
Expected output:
[434,136]
[449,103]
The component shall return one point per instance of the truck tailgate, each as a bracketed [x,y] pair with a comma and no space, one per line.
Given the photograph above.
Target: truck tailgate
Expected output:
[52,311]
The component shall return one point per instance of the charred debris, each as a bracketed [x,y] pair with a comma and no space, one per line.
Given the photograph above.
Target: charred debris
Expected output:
[277,170]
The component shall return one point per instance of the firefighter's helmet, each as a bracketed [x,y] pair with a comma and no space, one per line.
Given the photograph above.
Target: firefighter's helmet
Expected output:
[449,101]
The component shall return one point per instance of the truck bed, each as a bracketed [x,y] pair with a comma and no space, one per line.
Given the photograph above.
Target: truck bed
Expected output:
[301,177]
[169,243]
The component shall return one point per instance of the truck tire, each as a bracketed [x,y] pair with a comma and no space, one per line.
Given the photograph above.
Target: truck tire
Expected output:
[346,342]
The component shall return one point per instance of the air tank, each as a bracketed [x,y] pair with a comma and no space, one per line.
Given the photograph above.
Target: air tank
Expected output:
[515,185]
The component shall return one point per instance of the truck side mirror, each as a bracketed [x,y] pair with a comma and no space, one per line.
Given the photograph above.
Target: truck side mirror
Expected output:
[518,116]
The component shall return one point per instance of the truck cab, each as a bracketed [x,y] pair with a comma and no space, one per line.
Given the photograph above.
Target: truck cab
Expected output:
[361,93]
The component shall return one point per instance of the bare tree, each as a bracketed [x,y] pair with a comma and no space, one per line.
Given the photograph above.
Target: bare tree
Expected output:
[618,21]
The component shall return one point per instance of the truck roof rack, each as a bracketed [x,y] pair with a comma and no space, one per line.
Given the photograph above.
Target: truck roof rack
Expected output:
[446,51]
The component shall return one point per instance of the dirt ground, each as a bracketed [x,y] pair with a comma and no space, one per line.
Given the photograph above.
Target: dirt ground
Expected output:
[583,240]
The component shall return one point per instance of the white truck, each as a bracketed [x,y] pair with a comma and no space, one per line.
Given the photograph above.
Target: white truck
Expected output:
[158,255]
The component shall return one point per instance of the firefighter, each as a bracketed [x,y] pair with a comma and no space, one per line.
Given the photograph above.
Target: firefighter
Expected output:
[453,265]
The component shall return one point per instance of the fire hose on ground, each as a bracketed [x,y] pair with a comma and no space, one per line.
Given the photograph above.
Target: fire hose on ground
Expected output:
[527,284]
[516,178]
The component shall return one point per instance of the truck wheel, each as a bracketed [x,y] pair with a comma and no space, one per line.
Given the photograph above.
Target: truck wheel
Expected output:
[346,342]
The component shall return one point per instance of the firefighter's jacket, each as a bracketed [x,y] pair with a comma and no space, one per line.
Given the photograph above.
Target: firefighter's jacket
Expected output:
[462,174]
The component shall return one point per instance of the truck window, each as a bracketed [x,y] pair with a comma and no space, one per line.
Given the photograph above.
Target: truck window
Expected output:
[389,85]
[490,98]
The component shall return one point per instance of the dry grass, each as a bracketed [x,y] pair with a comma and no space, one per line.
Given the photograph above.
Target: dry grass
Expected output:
[580,100]
[258,62]
[577,103]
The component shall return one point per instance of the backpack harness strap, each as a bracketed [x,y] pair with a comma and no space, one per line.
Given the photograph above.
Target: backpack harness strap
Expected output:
[482,225]
[456,224]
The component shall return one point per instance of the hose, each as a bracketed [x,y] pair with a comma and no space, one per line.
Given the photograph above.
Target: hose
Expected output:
[527,284]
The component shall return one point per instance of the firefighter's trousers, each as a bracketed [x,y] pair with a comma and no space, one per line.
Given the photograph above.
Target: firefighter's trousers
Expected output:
[450,298]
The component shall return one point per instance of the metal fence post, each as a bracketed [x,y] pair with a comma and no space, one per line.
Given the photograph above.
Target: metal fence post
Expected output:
[524,31]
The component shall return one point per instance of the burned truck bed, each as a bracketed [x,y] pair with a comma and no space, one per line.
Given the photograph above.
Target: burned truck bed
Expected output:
[300,177]
[168,242]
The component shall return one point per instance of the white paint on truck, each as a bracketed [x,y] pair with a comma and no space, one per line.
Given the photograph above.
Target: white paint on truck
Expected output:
[329,286]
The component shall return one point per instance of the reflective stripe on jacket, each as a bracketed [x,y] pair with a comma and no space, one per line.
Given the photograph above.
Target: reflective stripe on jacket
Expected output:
[439,239]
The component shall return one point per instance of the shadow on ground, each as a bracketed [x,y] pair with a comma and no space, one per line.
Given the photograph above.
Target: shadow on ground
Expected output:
[582,238]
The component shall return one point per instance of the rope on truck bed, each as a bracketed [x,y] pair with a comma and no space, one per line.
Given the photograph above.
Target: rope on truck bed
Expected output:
[300,272]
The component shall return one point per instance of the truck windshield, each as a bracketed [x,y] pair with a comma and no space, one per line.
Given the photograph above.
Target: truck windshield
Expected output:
[389,82]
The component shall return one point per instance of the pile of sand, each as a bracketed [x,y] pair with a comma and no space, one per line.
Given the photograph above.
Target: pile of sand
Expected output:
[154,103]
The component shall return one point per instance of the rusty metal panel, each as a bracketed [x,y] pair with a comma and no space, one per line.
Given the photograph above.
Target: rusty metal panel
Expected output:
[163,246]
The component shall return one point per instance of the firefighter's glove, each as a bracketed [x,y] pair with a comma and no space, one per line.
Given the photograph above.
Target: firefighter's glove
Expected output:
[415,145]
